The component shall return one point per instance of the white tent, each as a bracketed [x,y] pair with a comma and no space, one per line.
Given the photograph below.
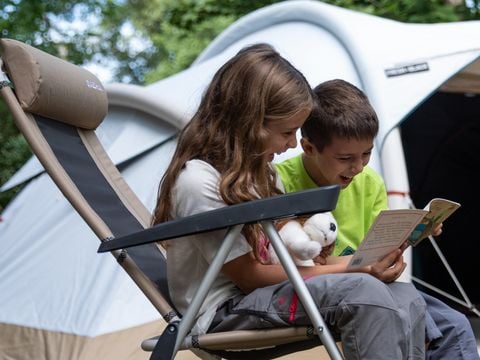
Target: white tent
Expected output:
[52,279]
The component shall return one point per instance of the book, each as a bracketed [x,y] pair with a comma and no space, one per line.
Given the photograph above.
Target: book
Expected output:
[392,228]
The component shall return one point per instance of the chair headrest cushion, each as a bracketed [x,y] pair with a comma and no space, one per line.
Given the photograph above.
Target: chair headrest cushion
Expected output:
[54,88]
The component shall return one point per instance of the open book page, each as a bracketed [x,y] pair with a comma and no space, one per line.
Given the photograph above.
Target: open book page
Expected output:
[438,211]
[390,229]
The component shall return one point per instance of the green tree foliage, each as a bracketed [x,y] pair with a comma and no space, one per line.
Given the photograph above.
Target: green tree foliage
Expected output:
[143,41]
[173,33]
[41,23]
[414,11]
[176,31]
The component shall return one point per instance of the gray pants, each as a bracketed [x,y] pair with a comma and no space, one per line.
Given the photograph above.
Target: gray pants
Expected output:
[373,320]
[449,332]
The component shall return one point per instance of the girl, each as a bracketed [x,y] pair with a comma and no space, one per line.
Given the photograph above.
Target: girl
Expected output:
[251,110]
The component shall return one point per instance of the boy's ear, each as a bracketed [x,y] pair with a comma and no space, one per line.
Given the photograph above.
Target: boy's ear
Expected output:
[307,146]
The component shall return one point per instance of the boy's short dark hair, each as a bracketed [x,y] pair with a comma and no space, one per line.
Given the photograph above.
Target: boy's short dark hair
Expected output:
[341,110]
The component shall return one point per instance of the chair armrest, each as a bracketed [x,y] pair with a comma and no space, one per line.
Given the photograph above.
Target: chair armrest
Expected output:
[292,204]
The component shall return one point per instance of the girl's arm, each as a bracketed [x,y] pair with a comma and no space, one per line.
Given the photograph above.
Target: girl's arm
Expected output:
[249,274]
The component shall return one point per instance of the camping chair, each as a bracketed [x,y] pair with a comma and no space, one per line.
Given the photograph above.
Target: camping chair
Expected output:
[57,106]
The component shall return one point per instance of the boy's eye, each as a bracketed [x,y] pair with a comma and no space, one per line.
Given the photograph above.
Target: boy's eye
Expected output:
[367,155]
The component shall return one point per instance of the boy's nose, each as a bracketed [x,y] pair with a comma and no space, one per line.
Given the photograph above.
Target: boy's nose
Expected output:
[357,167]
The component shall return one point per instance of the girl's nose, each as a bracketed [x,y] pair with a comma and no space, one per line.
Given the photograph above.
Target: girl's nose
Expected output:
[292,142]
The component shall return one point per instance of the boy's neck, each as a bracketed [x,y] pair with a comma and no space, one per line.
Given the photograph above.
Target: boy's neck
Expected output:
[312,171]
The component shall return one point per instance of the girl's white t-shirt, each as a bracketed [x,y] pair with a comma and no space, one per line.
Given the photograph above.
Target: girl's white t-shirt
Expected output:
[188,258]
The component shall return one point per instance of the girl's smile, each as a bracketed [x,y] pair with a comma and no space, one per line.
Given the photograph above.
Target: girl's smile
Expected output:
[282,134]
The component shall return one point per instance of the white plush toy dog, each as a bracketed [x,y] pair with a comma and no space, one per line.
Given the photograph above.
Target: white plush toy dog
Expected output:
[305,242]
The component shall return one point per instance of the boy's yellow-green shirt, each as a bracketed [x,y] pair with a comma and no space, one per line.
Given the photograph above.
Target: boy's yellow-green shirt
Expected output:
[357,207]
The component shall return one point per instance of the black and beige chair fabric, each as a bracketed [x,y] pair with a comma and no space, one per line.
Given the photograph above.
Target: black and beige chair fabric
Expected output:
[57,106]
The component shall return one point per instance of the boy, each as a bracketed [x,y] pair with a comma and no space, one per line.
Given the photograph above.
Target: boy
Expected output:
[337,140]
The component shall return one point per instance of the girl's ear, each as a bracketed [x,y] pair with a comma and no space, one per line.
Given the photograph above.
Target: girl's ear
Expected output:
[307,146]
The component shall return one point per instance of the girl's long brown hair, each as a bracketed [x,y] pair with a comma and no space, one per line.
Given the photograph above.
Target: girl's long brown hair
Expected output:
[254,87]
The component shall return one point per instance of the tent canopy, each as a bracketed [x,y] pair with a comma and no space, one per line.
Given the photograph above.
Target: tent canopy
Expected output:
[398,65]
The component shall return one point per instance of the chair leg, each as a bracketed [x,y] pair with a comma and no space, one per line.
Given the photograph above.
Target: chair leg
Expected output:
[164,349]
[303,293]
[467,303]
[188,319]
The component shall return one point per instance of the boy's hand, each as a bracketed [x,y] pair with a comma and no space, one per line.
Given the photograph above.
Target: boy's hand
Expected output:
[438,230]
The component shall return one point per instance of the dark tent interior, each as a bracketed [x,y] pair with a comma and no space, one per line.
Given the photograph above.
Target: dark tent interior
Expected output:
[441,141]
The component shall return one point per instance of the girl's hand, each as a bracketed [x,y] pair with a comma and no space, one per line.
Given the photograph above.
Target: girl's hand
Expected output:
[321,259]
[389,268]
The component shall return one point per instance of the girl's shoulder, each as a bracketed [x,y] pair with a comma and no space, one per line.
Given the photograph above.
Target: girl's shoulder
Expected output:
[198,176]
[196,189]
[197,165]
